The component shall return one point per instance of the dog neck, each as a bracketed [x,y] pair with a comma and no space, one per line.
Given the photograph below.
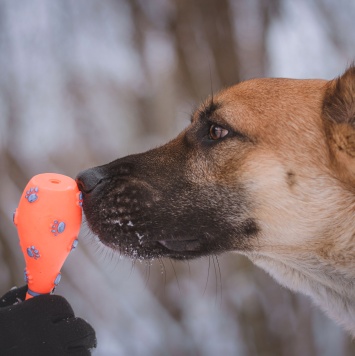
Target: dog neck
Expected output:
[325,274]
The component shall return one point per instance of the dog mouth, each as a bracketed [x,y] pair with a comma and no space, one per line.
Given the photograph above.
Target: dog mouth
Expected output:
[146,249]
[181,245]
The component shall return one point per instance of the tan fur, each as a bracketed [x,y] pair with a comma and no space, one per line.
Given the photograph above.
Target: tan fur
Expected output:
[300,172]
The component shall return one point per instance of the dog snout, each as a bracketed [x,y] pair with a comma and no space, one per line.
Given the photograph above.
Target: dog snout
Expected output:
[89,179]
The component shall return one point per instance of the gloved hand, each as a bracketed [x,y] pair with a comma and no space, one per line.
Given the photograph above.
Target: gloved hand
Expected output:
[43,325]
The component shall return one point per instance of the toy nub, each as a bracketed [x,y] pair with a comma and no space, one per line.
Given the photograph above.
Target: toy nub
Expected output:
[48,220]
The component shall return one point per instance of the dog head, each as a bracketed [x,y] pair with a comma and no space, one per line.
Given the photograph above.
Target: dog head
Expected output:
[265,167]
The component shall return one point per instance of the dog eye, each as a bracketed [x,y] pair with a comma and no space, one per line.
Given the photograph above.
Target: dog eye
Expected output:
[217,132]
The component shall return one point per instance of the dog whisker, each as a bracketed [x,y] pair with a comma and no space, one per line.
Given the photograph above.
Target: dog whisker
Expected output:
[208,275]
[176,276]
[215,279]
[162,270]
[219,278]
[147,273]
[133,263]
[188,264]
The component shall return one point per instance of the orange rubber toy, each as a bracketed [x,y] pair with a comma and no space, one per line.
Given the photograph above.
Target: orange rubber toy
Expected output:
[48,220]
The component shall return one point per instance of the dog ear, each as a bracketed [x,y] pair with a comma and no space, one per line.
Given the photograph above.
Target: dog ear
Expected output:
[339,120]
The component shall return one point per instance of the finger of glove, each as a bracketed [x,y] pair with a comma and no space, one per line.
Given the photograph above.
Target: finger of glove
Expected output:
[13,296]
[77,334]
[53,307]
[42,311]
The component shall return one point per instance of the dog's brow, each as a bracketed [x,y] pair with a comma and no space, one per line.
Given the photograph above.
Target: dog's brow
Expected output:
[207,110]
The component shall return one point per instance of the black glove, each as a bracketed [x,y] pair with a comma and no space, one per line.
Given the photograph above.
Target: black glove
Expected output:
[43,325]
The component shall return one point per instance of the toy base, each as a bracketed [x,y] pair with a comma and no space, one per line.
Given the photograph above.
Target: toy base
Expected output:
[30,294]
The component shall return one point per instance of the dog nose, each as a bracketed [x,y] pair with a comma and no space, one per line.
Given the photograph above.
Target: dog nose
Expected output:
[89,179]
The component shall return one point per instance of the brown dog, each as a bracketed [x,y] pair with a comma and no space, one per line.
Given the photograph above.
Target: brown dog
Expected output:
[266,169]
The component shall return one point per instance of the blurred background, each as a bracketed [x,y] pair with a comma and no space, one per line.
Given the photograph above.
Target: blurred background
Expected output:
[84,82]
